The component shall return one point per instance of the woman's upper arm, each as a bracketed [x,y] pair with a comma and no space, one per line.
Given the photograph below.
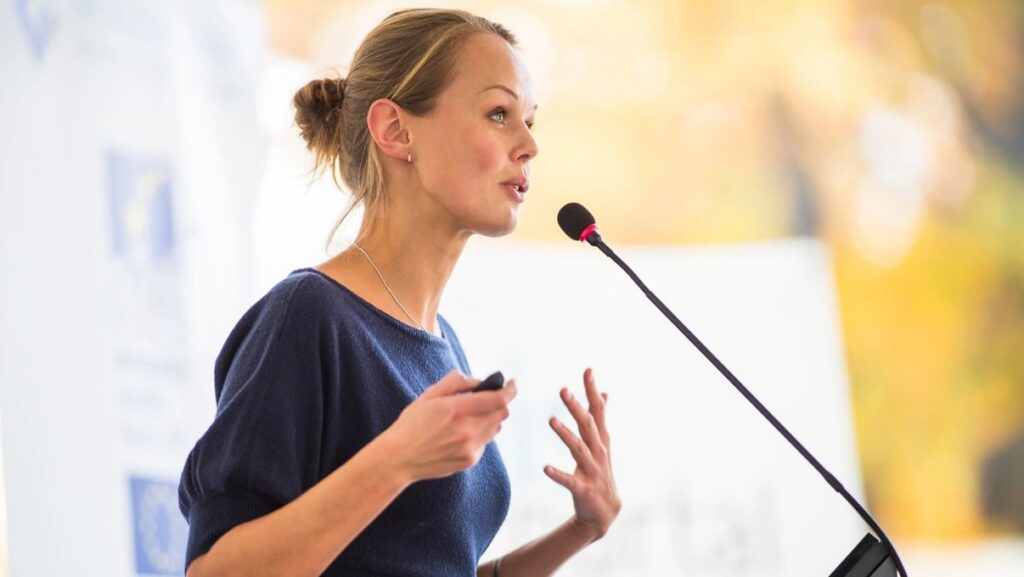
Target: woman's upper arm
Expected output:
[194,568]
[262,449]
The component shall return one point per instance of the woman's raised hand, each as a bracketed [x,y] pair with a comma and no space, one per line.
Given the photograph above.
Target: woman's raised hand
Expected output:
[592,485]
[445,431]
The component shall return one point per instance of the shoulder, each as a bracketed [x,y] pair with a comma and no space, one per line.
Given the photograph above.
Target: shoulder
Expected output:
[306,296]
[297,294]
[284,326]
[296,308]
[455,344]
[449,331]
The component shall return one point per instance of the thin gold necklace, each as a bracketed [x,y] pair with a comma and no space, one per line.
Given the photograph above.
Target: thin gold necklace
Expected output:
[391,292]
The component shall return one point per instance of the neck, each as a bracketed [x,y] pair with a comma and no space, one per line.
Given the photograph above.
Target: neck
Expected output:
[414,260]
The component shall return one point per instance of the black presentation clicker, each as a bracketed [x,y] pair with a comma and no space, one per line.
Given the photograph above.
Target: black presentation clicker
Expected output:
[492,383]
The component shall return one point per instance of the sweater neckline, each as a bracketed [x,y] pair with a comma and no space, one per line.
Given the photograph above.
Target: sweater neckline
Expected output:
[443,339]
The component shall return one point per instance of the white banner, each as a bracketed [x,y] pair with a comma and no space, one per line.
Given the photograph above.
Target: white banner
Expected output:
[127,174]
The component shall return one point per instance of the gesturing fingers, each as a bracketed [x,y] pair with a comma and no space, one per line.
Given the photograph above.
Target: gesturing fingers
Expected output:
[597,404]
[577,447]
[561,477]
[587,424]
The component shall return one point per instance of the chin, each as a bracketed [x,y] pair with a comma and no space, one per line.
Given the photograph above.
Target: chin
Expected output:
[499,229]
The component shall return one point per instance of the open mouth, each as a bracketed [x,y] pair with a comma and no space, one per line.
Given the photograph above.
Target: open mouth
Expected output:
[518,193]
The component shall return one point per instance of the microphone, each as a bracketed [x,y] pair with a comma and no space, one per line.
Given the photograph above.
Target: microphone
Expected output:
[577,222]
[870,557]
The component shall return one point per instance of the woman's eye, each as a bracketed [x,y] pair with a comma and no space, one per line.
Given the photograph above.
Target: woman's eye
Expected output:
[498,113]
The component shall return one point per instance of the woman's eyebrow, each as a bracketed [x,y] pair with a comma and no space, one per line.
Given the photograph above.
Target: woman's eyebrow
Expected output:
[501,87]
[506,89]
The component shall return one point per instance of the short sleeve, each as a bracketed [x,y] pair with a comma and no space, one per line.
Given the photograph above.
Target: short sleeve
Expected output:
[263,448]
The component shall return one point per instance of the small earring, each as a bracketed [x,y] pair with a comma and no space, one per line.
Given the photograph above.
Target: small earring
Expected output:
[409,158]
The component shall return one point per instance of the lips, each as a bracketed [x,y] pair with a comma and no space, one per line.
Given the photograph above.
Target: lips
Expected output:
[521,184]
[514,192]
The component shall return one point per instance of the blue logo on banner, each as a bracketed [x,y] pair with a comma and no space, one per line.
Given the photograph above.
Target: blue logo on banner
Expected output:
[160,530]
[142,219]
[39,23]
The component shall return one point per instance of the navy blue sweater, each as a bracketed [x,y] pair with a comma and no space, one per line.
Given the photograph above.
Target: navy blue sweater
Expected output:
[308,376]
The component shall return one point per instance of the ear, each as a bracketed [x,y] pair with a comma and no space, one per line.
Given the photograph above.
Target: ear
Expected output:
[389,129]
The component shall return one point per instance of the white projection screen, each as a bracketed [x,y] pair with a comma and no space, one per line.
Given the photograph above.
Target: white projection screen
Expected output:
[709,488]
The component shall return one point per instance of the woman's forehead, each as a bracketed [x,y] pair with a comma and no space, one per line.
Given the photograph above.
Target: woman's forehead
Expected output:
[488,61]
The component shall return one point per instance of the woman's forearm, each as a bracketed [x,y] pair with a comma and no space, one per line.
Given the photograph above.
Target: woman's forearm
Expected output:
[302,538]
[541,557]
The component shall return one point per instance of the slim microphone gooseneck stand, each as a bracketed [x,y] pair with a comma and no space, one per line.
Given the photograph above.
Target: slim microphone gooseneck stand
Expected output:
[868,559]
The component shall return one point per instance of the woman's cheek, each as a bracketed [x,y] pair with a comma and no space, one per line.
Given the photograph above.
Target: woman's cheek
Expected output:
[486,153]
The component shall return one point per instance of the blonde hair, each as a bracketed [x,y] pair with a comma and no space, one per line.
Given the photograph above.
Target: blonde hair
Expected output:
[408,58]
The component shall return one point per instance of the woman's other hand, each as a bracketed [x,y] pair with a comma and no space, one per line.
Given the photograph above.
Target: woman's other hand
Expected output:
[592,485]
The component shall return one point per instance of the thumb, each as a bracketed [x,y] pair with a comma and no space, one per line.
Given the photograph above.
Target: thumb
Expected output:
[450,384]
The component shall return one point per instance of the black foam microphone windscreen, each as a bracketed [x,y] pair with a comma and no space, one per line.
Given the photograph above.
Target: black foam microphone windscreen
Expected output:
[574,218]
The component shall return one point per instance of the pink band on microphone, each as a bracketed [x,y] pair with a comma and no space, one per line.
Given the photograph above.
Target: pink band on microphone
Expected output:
[586,232]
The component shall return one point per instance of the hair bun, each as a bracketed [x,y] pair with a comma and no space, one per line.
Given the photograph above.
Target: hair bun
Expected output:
[318,109]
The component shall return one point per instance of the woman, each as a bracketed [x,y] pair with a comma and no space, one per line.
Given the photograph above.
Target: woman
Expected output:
[344,442]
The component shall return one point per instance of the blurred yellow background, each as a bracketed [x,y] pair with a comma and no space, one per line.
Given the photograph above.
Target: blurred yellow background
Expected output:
[894,131]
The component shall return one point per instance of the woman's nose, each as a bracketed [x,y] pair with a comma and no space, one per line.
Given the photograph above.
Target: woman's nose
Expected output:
[528,149]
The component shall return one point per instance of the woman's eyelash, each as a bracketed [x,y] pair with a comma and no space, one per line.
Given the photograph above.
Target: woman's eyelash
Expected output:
[504,114]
